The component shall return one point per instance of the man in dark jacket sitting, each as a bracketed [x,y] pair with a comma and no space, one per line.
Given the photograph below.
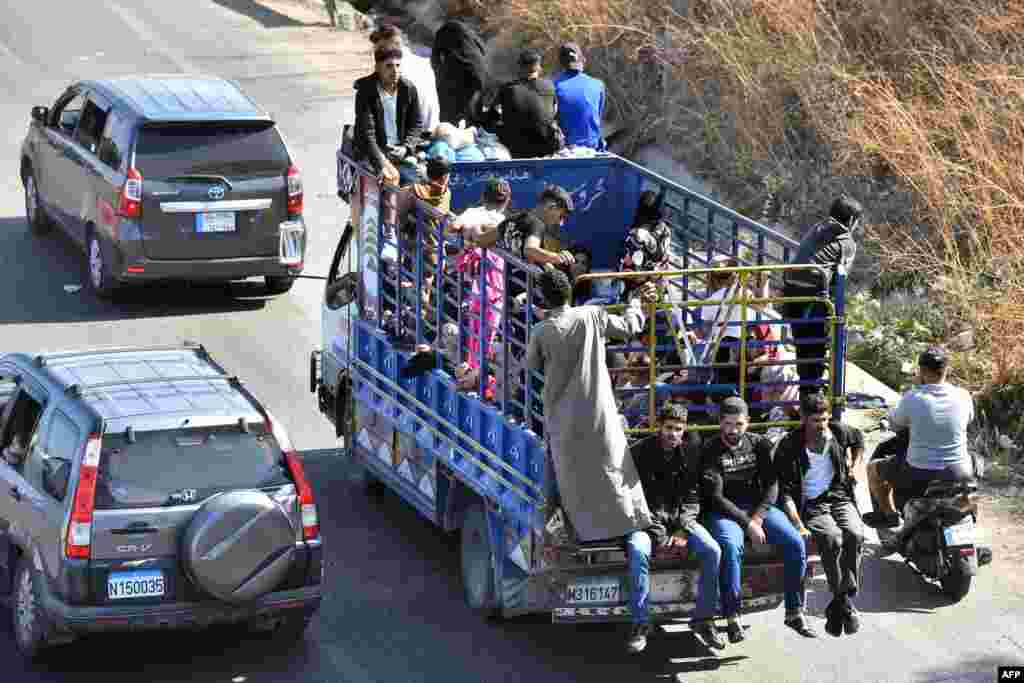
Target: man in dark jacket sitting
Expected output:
[669,467]
[528,108]
[815,463]
[745,489]
[388,119]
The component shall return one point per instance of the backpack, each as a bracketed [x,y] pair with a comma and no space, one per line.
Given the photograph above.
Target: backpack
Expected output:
[513,234]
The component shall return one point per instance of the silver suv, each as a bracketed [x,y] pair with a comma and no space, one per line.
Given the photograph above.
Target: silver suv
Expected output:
[146,488]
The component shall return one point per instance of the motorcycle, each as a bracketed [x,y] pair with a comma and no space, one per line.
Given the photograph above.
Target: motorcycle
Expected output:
[938,537]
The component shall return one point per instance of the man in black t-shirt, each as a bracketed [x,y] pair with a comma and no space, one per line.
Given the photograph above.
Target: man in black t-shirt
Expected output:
[815,465]
[528,107]
[744,489]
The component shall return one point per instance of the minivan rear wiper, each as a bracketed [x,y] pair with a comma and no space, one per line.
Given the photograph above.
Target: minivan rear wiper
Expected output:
[203,176]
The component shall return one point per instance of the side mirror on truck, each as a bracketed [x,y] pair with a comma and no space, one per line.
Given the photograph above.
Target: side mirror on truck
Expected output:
[342,291]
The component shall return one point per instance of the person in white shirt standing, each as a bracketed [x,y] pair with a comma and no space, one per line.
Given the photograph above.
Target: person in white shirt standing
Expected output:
[417,69]
[815,464]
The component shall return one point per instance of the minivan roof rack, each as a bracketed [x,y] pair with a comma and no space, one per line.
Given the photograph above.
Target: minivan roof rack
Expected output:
[43,358]
[76,390]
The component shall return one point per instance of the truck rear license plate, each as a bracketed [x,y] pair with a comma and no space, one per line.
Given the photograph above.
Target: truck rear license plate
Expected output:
[593,591]
[215,221]
[961,533]
[122,585]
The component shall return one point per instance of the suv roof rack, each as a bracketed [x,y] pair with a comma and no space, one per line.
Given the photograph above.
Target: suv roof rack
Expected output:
[43,358]
[76,390]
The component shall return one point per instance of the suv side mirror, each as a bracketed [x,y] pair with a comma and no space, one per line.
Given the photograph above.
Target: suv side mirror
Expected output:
[39,114]
[56,474]
[342,291]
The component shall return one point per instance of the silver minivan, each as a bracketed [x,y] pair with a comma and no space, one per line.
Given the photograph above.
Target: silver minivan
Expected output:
[166,178]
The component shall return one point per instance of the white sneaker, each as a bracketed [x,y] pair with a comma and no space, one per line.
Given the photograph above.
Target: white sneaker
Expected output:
[638,638]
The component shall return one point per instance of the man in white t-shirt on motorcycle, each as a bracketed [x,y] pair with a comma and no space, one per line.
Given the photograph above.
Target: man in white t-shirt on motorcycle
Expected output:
[937,414]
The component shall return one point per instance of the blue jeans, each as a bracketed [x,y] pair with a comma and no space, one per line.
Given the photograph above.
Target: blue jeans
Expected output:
[779,531]
[638,551]
[407,174]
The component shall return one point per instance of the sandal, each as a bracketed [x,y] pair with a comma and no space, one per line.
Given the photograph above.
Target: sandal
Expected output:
[800,625]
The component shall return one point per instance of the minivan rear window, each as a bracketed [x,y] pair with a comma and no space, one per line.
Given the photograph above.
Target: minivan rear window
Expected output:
[235,149]
[183,466]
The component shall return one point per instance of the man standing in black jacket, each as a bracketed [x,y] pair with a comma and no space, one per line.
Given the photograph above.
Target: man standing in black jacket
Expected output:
[828,244]
[744,488]
[814,463]
[388,119]
[669,467]
[524,111]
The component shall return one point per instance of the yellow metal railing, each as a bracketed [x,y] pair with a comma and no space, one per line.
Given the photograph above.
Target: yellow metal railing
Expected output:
[737,294]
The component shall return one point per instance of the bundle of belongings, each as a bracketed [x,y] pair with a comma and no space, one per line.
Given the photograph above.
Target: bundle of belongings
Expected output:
[458,143]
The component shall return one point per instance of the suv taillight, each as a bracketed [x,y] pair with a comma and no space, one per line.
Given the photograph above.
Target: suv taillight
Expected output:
[129,204]
[79,534]
[307,506]
[294,191]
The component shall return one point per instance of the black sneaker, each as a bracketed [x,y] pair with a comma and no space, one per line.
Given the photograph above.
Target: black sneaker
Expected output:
[638,638]
[708,633]
[851,618]
[834,618]
[735,631]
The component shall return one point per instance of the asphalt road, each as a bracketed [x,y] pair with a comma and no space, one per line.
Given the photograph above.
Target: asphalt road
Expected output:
[394,609]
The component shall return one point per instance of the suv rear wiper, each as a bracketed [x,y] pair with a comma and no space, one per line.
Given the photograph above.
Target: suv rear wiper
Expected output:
[202,176]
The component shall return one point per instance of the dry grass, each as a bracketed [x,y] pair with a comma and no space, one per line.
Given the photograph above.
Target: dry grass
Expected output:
[926,97]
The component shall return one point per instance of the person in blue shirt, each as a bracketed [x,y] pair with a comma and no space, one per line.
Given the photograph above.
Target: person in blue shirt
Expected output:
[580,101]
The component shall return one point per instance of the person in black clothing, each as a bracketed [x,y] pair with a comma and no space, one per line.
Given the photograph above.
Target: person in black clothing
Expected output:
[815,463]
[388,120]
[829,244]
[459,58]
[528,107]
[743,489]
[669,467]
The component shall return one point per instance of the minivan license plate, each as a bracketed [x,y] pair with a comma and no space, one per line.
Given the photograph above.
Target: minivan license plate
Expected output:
[215,221]
[960,534]
[594,591]
[122,585]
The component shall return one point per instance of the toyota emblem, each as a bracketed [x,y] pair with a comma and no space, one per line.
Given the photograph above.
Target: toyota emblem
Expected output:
[216,192]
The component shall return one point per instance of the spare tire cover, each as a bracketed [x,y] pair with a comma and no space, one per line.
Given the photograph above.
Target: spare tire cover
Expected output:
[238,546]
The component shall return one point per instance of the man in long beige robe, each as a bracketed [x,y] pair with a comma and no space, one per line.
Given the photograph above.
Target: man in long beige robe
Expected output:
[598,482]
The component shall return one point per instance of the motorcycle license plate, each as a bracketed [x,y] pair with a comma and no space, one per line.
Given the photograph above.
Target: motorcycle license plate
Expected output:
[961,533]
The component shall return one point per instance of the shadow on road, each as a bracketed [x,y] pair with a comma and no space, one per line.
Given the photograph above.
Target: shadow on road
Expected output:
[264,15]
[889,586]
[34,269]
[980,670]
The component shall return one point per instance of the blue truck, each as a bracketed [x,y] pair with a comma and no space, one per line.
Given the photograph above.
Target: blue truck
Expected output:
[472,458]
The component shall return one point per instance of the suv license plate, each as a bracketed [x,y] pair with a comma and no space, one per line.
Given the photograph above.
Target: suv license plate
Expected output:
[602,590]
[215,221]
[960,534]
[122,585]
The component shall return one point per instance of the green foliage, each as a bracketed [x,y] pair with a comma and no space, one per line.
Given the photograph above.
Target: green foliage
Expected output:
[886,338]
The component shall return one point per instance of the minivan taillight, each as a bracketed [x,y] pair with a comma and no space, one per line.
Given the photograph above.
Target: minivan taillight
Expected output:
[129,204]
[79,533]
[294,191]
[307,506]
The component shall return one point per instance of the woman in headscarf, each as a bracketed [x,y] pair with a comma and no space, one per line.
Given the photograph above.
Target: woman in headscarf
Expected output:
[459,58]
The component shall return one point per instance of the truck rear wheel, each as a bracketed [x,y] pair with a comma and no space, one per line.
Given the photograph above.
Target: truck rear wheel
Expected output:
[478,563]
